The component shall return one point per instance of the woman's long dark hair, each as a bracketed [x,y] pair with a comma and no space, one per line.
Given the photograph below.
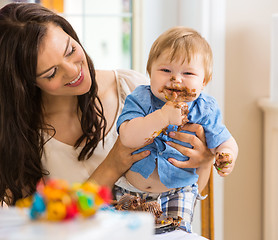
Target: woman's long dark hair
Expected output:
[22,28]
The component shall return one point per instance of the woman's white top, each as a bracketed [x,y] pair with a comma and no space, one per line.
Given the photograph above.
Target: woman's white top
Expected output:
[61,160]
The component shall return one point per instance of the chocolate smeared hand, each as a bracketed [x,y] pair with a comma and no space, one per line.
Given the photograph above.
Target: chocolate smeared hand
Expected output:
[179,95]
[174,94]
[222,160]
[181,105]
[184,111]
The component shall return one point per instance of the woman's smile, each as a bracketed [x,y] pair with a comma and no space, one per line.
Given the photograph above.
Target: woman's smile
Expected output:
[77,81]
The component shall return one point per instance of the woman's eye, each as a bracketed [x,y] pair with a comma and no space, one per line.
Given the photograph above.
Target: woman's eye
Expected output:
[165,70]
[72,51]
[52,75]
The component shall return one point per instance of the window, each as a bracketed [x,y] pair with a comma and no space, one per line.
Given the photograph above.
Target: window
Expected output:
[104,28]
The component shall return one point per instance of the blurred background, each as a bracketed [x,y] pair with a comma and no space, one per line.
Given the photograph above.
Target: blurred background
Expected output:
[119,34]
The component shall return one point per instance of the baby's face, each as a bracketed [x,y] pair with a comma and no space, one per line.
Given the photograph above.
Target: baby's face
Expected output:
[178,80]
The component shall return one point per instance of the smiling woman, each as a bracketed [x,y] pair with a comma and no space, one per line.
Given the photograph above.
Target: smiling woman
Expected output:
[35,41]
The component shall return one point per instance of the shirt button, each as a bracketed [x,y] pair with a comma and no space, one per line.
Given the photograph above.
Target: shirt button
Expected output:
[160,153]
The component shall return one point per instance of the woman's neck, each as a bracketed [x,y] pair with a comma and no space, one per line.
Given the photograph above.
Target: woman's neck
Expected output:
[61,113]
[59,105]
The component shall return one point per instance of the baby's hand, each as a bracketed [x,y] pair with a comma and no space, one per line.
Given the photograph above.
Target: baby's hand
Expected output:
[175,112]
[224,163]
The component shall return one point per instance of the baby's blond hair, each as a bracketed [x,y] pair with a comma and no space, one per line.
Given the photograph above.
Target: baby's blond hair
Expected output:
[182,43]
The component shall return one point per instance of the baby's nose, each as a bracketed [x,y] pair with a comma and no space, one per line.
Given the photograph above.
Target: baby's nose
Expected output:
[176,78]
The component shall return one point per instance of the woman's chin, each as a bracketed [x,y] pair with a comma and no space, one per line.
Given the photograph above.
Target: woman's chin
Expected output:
[84,89]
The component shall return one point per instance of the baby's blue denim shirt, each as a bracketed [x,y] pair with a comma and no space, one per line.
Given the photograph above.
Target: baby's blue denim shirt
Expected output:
[204,110]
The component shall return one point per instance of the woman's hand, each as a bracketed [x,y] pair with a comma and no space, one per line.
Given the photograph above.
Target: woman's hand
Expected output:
[121,157]
[199,155]
[117,162]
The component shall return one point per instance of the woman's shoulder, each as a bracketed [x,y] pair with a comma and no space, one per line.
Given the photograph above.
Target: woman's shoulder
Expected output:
[131,78]
[132,75]
[125,78]
[105,79]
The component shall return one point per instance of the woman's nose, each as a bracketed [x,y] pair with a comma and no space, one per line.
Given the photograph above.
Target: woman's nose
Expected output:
[71,69]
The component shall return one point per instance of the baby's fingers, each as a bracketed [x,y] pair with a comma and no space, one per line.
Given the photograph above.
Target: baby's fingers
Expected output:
[174,97]
[222,174]
[223,171]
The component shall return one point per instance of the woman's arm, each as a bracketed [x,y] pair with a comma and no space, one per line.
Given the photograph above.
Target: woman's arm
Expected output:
[200,156]
[117,162]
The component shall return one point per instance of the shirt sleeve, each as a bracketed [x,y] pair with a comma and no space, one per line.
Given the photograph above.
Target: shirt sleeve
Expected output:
[135,106]
[215,131]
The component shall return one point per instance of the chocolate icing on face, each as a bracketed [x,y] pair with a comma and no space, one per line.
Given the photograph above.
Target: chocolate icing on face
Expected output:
[178,95]
[182,93]
[175,93]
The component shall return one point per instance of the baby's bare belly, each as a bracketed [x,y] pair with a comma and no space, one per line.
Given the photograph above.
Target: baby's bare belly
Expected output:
[151,184]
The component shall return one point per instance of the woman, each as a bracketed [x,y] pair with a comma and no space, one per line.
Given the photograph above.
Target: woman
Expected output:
[58,115]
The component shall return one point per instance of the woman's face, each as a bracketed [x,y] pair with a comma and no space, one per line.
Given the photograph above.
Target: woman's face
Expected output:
[62,68]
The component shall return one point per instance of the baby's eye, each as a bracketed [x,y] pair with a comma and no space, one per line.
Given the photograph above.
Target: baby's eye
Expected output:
[165,70]
[188,73]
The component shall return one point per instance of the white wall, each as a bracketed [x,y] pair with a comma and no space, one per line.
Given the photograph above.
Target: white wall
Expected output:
[248,31]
